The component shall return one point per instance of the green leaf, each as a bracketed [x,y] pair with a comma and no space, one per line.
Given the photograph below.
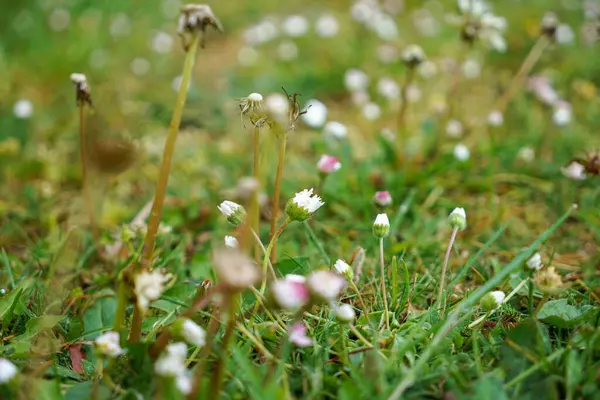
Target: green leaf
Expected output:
[10,302]
[560,314]
[100,315]
[83,390]
[36,325]
[489,388]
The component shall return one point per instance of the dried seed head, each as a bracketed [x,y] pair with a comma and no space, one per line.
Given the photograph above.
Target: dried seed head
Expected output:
[294,111]
[549,25]
[194,19]
[549,281]
[413,55]
[83,93]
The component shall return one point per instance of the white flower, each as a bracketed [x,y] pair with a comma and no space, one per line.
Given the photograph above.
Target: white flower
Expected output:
[255,97]
[388,88]
[356,80]
[526,154]
[342,267]
[231,242]
[184,384]
[171,362]
[495,118]
[193,333]
[277,104]
[295,25]
[381,226]
[316,115]
[149,285]
[327,26]
[8,370]
[475,8]
[298,335]
[335,130]
[427,69]
[247,56]
[303,205]
[461,152]
[108,344]
[162,42]
[291,293]
[413,55]
[328,164]
[345,313]
[232,211]
[413,93]
[458,218]
[78,79]
[234,269]
[564,34]
[325,286]
[23,109]
[371,111]
[492,301]
[535,262]
[471,69]
[575,171]
[562,114]
[454,128]
[382,198]
[287,50]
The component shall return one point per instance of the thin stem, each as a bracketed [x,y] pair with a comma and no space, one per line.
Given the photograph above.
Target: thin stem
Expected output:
[523,375]
[506,299]
[476,354]
[360,300]
[268,253]
[136,324]
[344,350]
[218,372]
[255,209]
[541,303]
[204,354]
[316,242]
[529,62]
[530,298]
[240,326]
[383,287]
[445,266]
[122,300]
[262,248]
[163,175]
[401,134]
[84,169]
[277,190]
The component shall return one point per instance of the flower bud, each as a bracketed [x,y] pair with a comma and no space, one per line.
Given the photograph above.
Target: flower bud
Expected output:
[345,313]
[328,164]
[8,370]
[303,205]
[108,344]
[298,335]
[83,93]
[189,331]
[535,262]
[382,199]
[413,55]
[492,301]
[231,242]
[291,293]
[325,286]
[234,212]
[344,269]
[549,25]
[381,226]
[458,218]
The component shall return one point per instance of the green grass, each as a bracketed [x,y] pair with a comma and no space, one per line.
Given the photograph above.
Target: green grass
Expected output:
[60,283]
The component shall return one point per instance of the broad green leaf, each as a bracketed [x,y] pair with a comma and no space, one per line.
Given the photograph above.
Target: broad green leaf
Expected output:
[100,315]
[10,301]
[560,314]
[36,325]
[83,390]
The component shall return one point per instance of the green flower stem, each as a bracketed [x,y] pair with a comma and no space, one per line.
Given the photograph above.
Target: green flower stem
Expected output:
[360,300]
[84,170]
[255,209]
[277,191]
[383,286]
[401,134]
[365,341]
[507,298]
[165,168]
[212,330]
[540,305]
[262,248]
[316,242]
[445,267]
[344,347]
[530,298]
[278,232]
[217,378]
[122,301]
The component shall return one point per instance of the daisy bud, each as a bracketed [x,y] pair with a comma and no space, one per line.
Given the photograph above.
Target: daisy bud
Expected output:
[328,164]
[575,171]
[298,335]
[492,301]
[413,55]
[382,199]
[231,242]
[234,212]
[345,313]
[234,269]
[83,93]
[549,281]
[535,262]
[381,226]
[8,371]
[549,24]
[325,286]
[461,152]
[171,362]
[291,292]
[303,205]
[458,218]
[189,331]
[344,269]
[195,18]
[148,286]
[109,345]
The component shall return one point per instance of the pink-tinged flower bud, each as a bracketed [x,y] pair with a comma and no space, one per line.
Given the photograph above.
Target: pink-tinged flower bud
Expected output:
[382,199]
[325,286]
[291,292]
[328,164]
[298,335]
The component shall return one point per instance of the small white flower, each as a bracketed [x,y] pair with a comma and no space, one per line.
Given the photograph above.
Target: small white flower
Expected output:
[8,370]
[78,78]
[295,26]
[303,205]
[342,267]
[382,219]
[162,42]
[316,115]
[298,335]
[235,269]
[193,333]
[495,118]
[475,8]
[575,171]
[328,164]
[23,109]
[388,88]
[381,226]
[171,362]
[231,242]
[291,293]
[184,384]
[535,262]
[454,128]
[564,34]
[527,154]
[461,152]
[427,69]
[327,26]
[413,55]
[492,301]
[371,111]
[335,130]
[149,285]
[325,286]
[345,313]
[255,97]
[562,114]
[232,211]
[458,218]
[356,80]
[382,198]
[471,69]
[108,344]
[287,50]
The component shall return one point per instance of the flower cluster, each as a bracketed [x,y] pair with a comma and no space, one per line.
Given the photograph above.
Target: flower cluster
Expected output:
[148,286]
[172,364]
[109,345]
